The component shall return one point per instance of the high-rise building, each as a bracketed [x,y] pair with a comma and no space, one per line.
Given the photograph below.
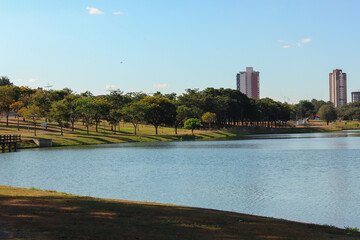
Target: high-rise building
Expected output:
[355,96]
[248,83]
[337,88]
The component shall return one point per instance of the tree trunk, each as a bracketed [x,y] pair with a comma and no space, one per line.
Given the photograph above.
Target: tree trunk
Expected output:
[192,131]
[176,130]
[96,126]
[61,128]
[156,130]
[7,120]
[18,124]
[34,128]
[87,129]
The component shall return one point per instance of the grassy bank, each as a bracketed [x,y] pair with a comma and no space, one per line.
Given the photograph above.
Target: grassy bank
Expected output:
[146,133]
[35,214]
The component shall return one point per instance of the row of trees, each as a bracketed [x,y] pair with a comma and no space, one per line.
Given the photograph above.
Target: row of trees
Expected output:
[214,107]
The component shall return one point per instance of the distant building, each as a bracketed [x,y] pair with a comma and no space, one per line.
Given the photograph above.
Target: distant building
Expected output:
[355,96]
[248,83]
[337,88]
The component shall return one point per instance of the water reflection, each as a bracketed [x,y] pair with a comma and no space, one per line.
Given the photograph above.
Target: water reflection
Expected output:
[304,177]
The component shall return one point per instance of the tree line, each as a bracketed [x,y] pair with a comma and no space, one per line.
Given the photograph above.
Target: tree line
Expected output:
[211,108]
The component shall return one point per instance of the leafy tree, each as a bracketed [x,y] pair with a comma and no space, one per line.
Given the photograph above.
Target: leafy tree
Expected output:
[102,110]
[5,81]
[306,108]
[115,117]
[60,113]
[192,123]
[209,118]
[31,111]
[16,107]
[6,99]
[86,109]
[42,101]
[327,113]
[134,113]
[159,110]
[182,113]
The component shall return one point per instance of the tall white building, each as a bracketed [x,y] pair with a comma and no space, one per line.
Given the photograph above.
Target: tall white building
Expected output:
[248,83]
[337,88]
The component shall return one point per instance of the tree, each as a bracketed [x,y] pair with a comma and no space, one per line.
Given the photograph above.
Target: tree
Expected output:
[31,111]
[182,113]
[327,113]
[86,109]
[102,110]
[134,113]
[5,81]
[6,99]
[209,118]
[192,123]
[15,107]
[159,110]
[60,113]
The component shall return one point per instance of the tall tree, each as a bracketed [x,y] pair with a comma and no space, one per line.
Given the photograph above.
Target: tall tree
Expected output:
[327,113]
[134,113]
[60,113]
[5,81]
[6,99]
[86,108]
[31,111]
[159,111]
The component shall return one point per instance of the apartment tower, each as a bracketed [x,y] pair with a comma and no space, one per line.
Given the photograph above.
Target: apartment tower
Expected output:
[337,88]
[248,83]
[355,96]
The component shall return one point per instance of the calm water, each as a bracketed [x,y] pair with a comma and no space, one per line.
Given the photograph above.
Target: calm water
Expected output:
[303,177]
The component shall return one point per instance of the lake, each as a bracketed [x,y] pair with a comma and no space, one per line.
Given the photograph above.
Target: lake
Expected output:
[311,178]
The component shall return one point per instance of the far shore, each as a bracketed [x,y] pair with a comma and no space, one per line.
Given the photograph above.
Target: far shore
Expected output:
[38,214]
[125,133]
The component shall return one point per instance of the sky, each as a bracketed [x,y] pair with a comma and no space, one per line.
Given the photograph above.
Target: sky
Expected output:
[170,46]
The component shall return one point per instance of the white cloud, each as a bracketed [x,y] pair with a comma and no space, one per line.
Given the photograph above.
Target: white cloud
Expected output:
[286,46]
[94,11]
[306,40]
[33,80]
[109,86]
[281,41]
[160,86]
[118,13]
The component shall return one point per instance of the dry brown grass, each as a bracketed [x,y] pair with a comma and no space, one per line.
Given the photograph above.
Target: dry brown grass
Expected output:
[34,214]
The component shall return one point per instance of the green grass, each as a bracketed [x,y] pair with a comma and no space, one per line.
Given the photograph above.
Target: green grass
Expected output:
[146,133]
[352,229]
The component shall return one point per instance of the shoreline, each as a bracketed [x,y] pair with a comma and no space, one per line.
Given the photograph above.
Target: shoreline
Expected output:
[40,214]
[203,135]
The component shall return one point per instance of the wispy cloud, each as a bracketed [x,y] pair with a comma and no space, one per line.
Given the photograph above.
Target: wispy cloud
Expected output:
[160,86]
[94,11]
[118,13]
[33,80]
[109,86]
[294,43]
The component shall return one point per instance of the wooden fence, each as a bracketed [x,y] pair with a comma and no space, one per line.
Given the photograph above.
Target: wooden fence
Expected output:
[9,142]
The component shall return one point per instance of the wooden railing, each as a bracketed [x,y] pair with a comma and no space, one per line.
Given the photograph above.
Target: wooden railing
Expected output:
[9,142]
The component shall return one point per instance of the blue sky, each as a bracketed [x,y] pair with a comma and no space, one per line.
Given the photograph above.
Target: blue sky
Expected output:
[169,46]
